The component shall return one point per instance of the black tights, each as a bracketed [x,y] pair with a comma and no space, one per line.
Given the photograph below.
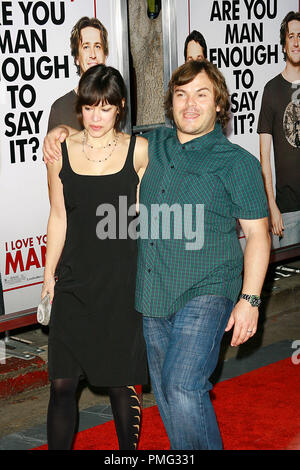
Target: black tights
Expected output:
[63,414]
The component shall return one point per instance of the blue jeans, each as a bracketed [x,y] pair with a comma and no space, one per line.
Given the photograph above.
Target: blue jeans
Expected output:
[183,352]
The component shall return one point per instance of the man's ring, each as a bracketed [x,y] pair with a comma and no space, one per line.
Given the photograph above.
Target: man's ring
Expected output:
[249,331]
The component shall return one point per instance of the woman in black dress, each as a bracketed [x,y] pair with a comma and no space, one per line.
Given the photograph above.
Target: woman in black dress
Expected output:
[95,333]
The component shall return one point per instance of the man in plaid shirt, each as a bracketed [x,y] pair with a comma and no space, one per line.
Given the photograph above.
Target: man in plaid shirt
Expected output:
[187,293]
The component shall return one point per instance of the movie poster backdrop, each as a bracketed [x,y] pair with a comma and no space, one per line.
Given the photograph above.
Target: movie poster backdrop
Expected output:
[243,41]
[36,69]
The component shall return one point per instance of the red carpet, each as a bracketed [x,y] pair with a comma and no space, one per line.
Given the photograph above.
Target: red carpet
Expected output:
[259,410]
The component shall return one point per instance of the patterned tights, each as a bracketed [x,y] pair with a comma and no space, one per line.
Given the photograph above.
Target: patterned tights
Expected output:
[63,414]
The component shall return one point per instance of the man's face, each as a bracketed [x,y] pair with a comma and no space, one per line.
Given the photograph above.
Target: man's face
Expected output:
[90,51]
[194,108]
[292,43]
[194,51]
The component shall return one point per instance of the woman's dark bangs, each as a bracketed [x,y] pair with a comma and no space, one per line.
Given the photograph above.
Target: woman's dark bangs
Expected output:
[101,93]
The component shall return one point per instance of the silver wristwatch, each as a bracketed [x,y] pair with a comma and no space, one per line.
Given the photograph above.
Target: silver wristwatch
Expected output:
[254,300]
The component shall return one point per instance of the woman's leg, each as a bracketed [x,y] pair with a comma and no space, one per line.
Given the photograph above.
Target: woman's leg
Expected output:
[62,414]
[126,408]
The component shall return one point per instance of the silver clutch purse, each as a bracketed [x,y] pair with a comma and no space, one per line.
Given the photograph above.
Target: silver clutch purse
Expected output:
[44,311]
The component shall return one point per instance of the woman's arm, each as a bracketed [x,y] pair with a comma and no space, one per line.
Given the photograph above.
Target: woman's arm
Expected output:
[56,230]
[140,161]
[141,156]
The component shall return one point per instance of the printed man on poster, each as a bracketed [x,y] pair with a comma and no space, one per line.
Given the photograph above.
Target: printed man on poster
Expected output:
[89,47]
[195,47]
[279,122]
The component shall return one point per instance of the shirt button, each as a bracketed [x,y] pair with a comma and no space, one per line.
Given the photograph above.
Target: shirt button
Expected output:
[149,270]
[172,166]
[163,191]
[151,243]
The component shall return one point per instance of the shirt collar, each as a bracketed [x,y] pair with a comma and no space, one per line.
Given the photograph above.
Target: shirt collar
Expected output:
[203,142]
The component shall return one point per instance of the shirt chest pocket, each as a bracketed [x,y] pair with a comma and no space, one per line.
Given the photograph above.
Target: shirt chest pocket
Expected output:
[197,188]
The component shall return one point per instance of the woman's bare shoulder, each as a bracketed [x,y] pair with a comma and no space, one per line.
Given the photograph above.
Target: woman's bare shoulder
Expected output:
[141,153]
[142,142]
[75,139]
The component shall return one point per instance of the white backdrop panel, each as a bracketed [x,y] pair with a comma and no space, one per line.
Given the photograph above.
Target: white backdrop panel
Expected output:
[36,69]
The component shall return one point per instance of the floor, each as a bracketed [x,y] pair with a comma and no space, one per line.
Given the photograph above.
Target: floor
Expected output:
[23,415]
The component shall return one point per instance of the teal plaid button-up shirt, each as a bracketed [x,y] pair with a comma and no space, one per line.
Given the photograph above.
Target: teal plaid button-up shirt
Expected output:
[226,183]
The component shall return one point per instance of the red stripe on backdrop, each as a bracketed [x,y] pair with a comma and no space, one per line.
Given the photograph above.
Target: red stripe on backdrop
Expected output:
[21,287]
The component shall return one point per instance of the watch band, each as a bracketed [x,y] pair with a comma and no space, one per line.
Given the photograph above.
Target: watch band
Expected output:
[254,300]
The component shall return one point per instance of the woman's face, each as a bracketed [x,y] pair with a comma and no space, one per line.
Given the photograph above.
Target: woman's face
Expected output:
[99,120]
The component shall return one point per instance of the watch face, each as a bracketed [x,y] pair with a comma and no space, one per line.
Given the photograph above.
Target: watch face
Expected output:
[255,301]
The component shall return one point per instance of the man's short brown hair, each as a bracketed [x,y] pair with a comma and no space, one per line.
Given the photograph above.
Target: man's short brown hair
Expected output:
[292,15]
[75,39]
[186,73]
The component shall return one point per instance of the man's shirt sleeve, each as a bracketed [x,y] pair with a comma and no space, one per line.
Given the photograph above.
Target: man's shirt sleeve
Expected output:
[246,188]
[265,120]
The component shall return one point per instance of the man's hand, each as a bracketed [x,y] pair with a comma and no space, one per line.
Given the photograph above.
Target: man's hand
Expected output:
[52,141]
[277,226]
[244,318]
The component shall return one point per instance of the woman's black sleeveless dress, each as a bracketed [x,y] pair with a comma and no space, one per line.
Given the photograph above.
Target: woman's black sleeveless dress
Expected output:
[95,331]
